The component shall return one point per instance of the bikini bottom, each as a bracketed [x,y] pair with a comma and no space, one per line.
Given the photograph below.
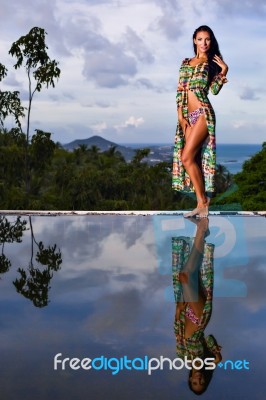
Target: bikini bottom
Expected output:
[194,115]
[190,314]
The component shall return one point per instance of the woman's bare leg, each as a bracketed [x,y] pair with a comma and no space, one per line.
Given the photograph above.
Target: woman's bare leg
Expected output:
[192,267]
[192,290]
[195,136]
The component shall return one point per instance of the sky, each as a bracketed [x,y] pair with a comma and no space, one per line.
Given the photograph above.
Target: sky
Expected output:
[119,64]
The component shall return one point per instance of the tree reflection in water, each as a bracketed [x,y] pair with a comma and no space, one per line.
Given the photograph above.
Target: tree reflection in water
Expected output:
[33,282]
[10,232]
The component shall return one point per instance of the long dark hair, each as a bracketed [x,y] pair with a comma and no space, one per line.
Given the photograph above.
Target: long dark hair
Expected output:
[208,377]
[208,373]
[214,50]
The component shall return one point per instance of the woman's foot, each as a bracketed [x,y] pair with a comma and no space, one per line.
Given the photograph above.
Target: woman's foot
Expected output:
[202,225]
[201,211]
[191,214]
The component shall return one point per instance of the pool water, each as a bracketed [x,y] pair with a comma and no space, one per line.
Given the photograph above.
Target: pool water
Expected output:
[101,287]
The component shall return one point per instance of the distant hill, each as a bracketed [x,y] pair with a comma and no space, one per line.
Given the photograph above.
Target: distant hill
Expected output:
[102,144]
[157,154]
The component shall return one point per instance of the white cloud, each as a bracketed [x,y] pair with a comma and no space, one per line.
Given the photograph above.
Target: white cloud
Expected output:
[131,122]
[239,124]
[101,126]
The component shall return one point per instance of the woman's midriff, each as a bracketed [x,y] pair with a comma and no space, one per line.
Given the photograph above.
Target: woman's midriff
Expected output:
[193,102]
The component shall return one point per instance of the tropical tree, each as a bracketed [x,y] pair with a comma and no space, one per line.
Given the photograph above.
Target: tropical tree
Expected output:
[30,51]
[9,102]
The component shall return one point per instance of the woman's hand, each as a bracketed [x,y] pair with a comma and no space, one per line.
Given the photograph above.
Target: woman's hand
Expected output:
[218,358]
[221,63]
[184,124]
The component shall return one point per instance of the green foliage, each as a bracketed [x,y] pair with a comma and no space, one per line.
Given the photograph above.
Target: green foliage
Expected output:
[10,105]
[86,179]
[250,184]
[3,71]
[29,160]
[9,102]
[41,151]
[31,51]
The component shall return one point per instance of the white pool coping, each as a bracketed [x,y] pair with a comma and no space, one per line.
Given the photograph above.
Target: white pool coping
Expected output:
[135,213]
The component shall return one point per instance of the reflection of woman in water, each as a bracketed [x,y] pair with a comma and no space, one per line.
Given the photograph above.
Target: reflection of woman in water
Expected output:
[193,288]
[194,150]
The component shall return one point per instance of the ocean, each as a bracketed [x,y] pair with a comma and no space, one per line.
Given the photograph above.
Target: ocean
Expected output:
[232,156]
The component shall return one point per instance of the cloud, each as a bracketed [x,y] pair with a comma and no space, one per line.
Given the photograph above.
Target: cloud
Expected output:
[250,126]
[105,62]
[98,104]
[83,31]
[110,67]
[249,94]
[99,127]
[27,14]
[147,84]
[54,97]
[137,46]
[171,21]
[245,7]
[131,122]
[24,95]
[11,80]
[68,95]
[239,124]
[170,25]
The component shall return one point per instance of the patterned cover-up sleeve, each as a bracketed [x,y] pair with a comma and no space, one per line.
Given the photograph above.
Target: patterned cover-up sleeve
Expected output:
[181,82]
[178,98]
[212,344]
[217,83]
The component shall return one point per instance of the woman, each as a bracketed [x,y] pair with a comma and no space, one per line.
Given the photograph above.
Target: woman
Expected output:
[194,150]
[193,291]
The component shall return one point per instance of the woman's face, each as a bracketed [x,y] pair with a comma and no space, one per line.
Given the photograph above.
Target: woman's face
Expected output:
[197,381]
[203,42]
